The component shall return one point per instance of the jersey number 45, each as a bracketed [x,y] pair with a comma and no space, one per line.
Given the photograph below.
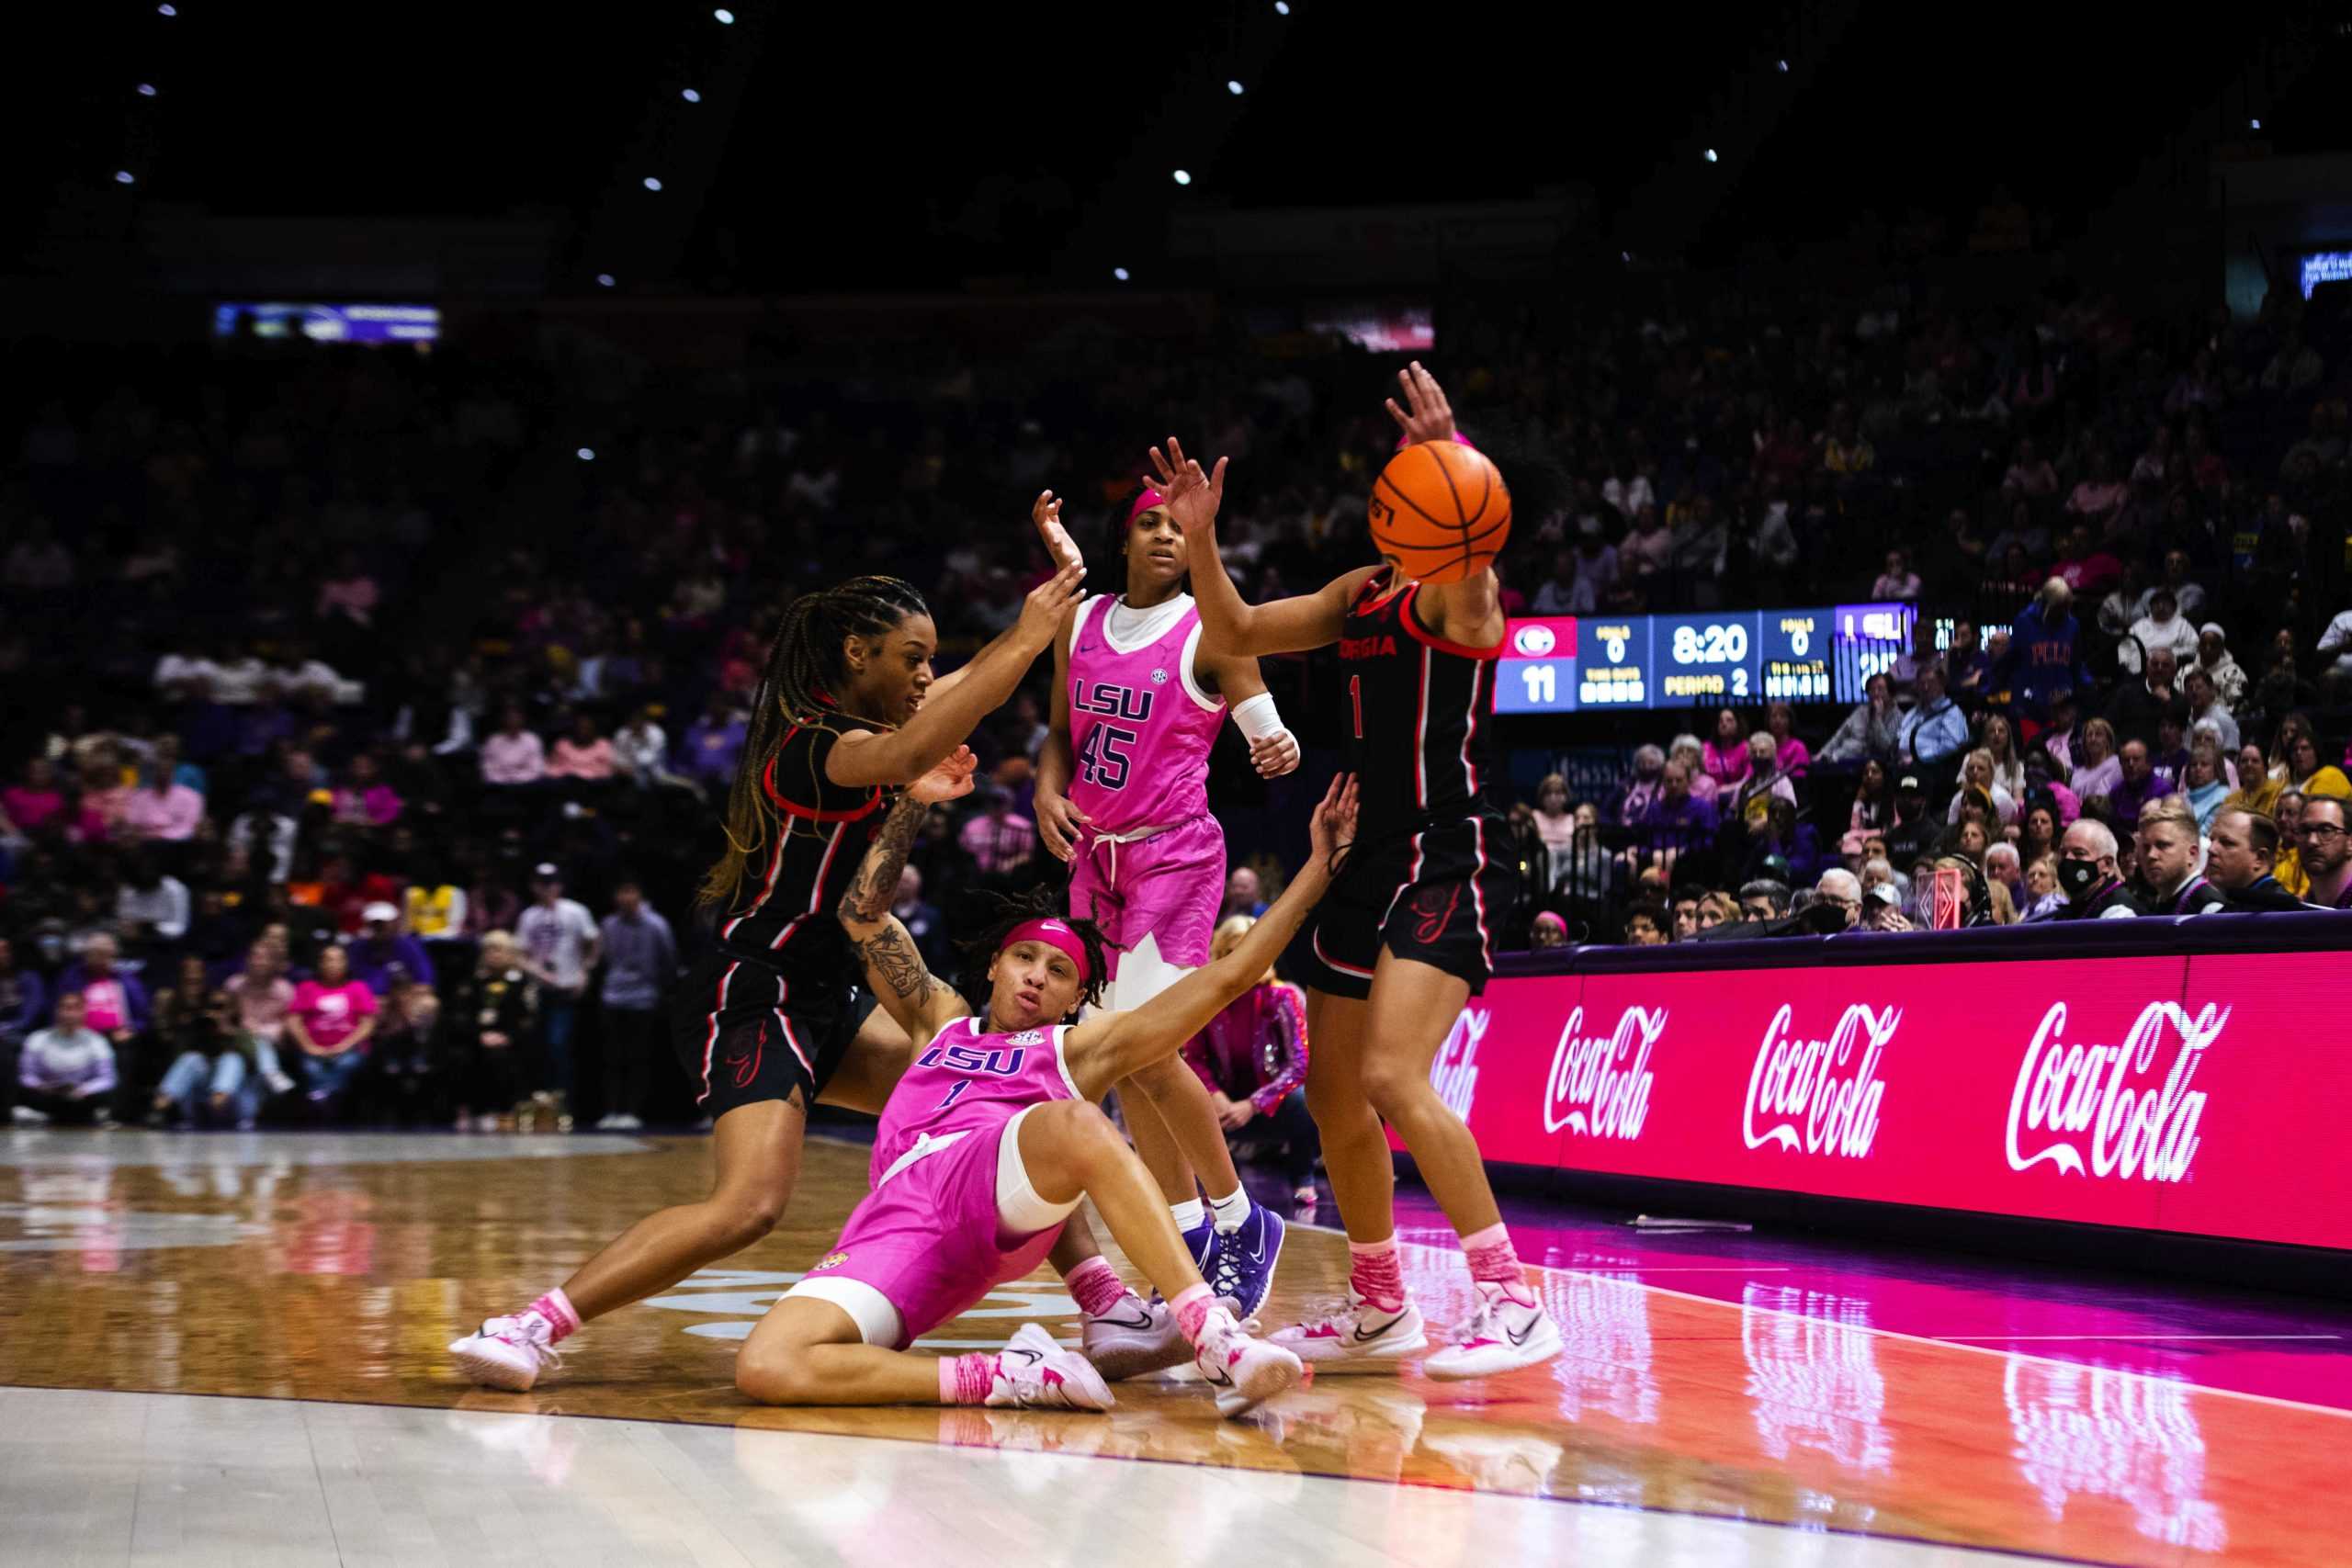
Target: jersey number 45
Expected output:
[1100,760]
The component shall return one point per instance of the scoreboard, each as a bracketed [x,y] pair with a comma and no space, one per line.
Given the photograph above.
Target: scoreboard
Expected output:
[1823,654]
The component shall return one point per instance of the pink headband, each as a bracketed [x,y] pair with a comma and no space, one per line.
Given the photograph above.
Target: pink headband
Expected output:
[1145,502]
[1459,439]
[1053,934]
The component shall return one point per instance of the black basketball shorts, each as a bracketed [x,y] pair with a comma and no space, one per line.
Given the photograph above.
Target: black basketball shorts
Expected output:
[745,1033]
[1439,896]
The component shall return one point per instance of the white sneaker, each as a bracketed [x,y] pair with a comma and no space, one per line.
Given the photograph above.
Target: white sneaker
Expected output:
[1034,1373]
[625,1122]
[1355,1335]
[1502,1335]
[485,1122]
[1245,1373]
[1134,1337]
[278,1083]
[26,1116]
[507,1352]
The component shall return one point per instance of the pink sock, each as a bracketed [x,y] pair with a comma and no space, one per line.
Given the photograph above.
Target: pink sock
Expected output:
[965,1380]
[1095,1286]
[1375,1274]
[1192,1310]
[1494,1261]
[563,1322]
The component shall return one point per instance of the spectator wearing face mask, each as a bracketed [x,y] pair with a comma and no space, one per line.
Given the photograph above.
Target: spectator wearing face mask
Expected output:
[2090,878]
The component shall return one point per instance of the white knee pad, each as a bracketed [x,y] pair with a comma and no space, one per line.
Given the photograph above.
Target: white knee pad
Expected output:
[877,1321]
[1018,1207]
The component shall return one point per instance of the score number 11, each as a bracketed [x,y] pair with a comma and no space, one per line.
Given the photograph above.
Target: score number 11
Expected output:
[1542,684]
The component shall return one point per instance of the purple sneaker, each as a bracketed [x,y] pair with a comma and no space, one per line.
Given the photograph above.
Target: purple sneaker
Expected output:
[1240,1265]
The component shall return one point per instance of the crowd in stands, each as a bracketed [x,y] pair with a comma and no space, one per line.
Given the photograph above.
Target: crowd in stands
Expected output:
[375,706]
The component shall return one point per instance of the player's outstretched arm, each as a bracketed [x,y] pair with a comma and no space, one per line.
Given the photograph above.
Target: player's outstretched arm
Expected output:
[919,1002]
[1469,612]
[1228,625]
[956,706]
[1109,1046]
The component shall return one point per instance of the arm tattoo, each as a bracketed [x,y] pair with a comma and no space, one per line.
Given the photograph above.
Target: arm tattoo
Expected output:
[892,960]
[876,882]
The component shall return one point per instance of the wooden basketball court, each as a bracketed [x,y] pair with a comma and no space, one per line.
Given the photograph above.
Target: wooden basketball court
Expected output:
[257,1270]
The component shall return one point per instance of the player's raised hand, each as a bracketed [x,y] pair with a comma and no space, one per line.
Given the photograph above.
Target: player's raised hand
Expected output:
[1274,755]
[1059,822]
[950,778]
[1194,496]
[1426,416]
[1334,824]
[1041,613]
[1045,512]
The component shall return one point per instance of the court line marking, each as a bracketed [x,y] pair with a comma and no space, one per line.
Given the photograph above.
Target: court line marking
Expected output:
[2130,1339]
[1892,1333]
[1547,1499]
[1743,1308]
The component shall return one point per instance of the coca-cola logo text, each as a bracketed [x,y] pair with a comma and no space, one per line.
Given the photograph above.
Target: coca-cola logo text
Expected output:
[1600,1084]
[1455,1074]
[1803,1093]
[2078,1096]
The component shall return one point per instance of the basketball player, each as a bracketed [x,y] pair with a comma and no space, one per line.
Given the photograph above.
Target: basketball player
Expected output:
[1408,935]
[990,1142]
[847,711]
[1122,795]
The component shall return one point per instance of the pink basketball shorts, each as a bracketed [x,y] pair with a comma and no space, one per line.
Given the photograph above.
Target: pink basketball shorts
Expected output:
[929,1240]
[1170,886]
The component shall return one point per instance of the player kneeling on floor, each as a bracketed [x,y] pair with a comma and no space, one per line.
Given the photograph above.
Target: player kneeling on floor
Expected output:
[988,1144]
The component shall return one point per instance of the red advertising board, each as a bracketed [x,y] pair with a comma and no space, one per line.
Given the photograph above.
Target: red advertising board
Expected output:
[2203,1094]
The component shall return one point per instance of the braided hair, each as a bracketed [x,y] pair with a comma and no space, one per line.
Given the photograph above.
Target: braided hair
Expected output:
[804,668]
[979,953]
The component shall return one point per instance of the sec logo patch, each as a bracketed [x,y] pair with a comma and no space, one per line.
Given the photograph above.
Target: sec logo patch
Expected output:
[830,1260]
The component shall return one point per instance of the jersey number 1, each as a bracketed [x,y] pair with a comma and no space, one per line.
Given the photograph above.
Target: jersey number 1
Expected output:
[1355,699]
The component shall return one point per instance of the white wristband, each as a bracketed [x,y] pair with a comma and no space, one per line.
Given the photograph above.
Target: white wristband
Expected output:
[1256,717]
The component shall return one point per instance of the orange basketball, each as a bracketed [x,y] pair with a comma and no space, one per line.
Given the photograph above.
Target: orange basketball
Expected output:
[1440,511]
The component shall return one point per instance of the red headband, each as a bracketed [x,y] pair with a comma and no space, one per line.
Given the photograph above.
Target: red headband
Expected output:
[1053,934]
[1145,502]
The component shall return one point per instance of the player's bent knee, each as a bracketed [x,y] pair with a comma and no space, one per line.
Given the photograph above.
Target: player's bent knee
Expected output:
[1391,1086]
[748,1214]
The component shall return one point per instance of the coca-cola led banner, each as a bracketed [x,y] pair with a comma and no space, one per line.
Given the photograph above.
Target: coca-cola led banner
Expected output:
[2207,1094]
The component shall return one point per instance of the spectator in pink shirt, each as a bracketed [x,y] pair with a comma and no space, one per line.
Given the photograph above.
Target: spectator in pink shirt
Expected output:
[161,809]
[1725,757]
[329,1022]
[364,799]
[1796,760]
[999,840]
[513,755]
[350,593]
[32,804]
[582,754]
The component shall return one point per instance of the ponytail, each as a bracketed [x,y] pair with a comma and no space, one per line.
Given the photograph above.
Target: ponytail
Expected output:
[804,668]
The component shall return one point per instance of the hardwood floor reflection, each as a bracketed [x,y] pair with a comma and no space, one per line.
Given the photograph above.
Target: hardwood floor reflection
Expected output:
[313,1269]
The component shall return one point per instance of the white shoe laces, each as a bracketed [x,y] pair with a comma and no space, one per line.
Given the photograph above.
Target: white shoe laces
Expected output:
[517,1331]
[1333,1313]
[1482,1325]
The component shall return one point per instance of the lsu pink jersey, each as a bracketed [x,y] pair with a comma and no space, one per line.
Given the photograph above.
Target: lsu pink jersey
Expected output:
[1140,727]
[966,1080]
